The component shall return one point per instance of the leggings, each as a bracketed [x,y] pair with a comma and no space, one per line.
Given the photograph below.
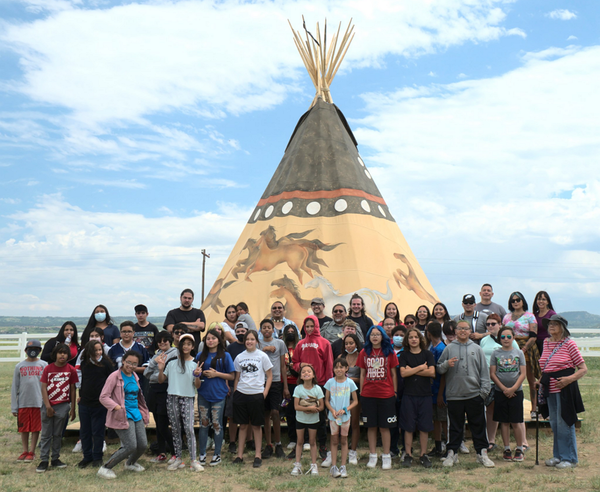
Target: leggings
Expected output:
[133,444]
[182,408]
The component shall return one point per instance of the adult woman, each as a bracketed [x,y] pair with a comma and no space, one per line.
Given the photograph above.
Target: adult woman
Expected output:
[67,334]
[228,323]
[127,413]
[391,311]
[423,316]
[100,318]
[542,309]
[440,314]
[290,337]
[352,348]
[525,328]
[562,365]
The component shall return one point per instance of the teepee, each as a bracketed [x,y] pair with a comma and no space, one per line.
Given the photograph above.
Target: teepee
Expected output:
[321,228]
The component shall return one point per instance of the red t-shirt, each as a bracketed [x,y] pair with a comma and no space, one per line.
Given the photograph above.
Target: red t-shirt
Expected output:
[291,379]
[378,381]
[59,381]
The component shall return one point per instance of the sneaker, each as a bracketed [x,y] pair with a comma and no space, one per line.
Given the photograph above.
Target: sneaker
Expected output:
[104,447]
[83,464]
[106,473]
[306,447]
[279,451]
[518,455]
[352,458]
[292,455]
[484,460]
[57,464]
[267,452]
[327,461]
[238,460]
[202,459]
[386,462]
[21,458]
[463,448]
[216,459]
[425,461]
[533,414]
[29,458]
[134,467]
[171,460]
[323,452]
[552,462]
[291,445]
[77,448]
[196,466]
[313,470]
[297,471]
[450,459]
[372,460]
[507,455]
[257,463]
[176,465]
[232,448]
[161,458]
[334,472]
[435,452]
[343,472]
[407,461]
[565,464]
[42,467]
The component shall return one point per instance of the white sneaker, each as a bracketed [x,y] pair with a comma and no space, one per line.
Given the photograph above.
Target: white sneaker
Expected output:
[552,462]
[196,466]
[565,464]
[104,447]
[171,460]
[372,460]
[77,448]
[291,445]
[297,471]
[106,473]
[334,472]
[306,447]
[135,467]
[352,458]
[386,462]
[343,472]
[451,459]
[313,470]
[463,448]
[176,465]
[327,461]
[484,460]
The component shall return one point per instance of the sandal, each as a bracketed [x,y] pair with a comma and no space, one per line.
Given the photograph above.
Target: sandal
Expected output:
[491,447]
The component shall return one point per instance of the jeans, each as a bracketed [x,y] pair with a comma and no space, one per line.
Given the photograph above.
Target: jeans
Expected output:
[133,444]
[565,443]
[91,431]
[212,412]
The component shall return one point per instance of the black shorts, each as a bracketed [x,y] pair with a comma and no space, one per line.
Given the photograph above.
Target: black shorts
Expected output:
[508,410]
[301,426]
[416,413]
[379,412]
[274,397]
[228,407]
[248,409]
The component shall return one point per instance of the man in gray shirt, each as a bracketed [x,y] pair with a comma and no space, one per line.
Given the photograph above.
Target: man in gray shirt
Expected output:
[475,318]
[486,306]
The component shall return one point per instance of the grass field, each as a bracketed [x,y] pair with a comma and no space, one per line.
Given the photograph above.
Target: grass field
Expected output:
[275,474]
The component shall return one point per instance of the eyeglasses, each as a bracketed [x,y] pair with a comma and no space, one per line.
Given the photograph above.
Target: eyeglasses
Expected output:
[126,331]
[462,328]
[508,337]
[130,364]
[491,324]
[338,311]
[512,301]
[163,341]
[178,332]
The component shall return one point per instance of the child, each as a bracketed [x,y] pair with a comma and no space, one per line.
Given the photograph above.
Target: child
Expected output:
[417,367]
[378,387]
[59,394]
[26,399]
[440,414]
[128,343]
[253,377]
[508,371]
[396,433]
[340,399]
[308,402]
[234,349]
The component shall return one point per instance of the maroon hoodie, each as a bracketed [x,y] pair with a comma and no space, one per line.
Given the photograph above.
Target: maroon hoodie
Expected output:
[314,350]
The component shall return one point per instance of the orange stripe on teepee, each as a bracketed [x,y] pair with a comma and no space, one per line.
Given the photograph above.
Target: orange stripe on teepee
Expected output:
[313,195]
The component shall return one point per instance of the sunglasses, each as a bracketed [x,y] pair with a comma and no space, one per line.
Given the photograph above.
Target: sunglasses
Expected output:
[409,323]
[505,337]
[491,324]
[515,300]
[276,308]
[468,302]
[178,332]
[338,311]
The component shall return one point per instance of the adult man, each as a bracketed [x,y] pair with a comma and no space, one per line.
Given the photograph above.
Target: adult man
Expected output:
[358,315]
[279,320]
[348,327]
[475,319]
[144,330]
[333,329]
[486,306]
[467,385]
[318,308]
[191,317]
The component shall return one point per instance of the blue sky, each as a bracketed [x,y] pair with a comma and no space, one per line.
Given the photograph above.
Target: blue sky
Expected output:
[133,135]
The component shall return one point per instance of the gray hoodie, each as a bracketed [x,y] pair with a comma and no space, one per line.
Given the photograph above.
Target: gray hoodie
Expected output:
[151,372]
[470,376]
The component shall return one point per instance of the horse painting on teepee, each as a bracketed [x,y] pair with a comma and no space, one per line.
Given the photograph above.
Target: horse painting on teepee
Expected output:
[321,227]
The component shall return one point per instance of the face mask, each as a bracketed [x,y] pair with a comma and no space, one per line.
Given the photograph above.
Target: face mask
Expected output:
[100,317]
[99,359]
[240,338]
[398,340]
[33,353]
[289,337]
[355,349]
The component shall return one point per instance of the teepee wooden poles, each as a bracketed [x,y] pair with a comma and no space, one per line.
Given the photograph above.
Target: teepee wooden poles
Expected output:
[322,63]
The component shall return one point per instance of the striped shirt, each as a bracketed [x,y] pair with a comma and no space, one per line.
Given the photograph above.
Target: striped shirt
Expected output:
[566,357]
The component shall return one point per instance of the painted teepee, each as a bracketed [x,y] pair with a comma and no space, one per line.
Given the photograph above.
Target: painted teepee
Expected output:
[321,228]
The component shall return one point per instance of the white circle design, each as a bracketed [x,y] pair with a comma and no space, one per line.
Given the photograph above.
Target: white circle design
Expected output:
[269,211]
[361,161]
[287,207]
[257,214]
[313,208]
[341,205]
[381,210]
[368,174]
[365,206]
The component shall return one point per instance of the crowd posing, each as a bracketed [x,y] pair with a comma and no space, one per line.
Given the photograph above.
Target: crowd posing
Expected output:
[403,378]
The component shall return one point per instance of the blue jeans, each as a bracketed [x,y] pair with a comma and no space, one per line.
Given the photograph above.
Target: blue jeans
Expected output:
[91,431]
[565,443]
[212,414]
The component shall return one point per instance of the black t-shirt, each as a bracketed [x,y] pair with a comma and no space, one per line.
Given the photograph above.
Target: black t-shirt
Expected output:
[145,336]
[416,385]
[175,316]
[93,378]
[364,322]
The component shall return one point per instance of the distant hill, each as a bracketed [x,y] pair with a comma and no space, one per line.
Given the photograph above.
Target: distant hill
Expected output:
[51,324]
[581,319]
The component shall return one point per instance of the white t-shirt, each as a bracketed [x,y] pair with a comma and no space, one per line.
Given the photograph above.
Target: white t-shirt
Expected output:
[252,367]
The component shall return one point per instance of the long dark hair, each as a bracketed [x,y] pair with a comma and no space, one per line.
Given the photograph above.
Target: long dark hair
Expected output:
[397,317]
[85,336]
[290,328]
[536,309]
[417,315]
[220,350]
[357,342]
[61,333]
[522,297]
[446,315]
[422,343]
[87,357]
[181,355]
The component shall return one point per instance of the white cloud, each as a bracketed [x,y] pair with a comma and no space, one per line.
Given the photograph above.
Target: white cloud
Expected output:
[572,38]
[561,14]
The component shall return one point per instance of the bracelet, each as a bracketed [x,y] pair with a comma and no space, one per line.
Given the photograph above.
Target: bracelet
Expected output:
[199,375]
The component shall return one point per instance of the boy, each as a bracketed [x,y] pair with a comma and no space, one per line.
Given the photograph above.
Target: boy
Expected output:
[276,350]
[440,415]
[340,399]
[144,331]
[126,343]
[59,395]
[26,399]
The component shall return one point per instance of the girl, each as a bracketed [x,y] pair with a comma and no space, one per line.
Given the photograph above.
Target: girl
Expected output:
[440,314]
[102,320]
[352,348]
[378,387]
[95,369]
[228,324]
[67,335]
[180,398]
[423,316]
[391,311]
[127,414]
[542,309]
[308,402]
[290,337]
[216,368]
[253,377]
[417,367]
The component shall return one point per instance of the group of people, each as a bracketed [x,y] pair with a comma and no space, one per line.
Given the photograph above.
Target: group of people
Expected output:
[403,377]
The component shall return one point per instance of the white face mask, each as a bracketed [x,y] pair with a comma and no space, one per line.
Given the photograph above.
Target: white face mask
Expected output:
[99,359]
[355,349]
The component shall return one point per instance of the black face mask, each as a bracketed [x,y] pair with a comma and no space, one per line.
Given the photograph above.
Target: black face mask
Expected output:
[240,338]
[33,353]
[289,337]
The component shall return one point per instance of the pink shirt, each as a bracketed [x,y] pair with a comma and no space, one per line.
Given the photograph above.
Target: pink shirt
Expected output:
[566,357]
